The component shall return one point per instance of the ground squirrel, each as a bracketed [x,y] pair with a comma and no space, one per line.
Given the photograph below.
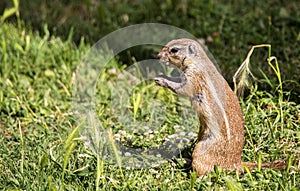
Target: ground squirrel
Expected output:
[221,133]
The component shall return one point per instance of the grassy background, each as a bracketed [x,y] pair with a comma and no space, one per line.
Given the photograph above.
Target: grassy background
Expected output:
[37,64]
[234,26]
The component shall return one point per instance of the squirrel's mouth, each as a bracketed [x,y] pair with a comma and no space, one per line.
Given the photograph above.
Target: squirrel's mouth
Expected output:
[164,58]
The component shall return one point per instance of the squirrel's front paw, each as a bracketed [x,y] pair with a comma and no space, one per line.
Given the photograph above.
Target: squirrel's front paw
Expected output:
[161,81]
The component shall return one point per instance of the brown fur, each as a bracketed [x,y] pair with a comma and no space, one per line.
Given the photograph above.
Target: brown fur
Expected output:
[221,131]
[223,153]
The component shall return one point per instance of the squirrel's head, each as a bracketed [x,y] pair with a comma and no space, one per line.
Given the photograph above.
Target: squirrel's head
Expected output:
[179,52]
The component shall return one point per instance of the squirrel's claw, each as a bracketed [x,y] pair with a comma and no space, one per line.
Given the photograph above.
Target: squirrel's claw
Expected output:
[161,81]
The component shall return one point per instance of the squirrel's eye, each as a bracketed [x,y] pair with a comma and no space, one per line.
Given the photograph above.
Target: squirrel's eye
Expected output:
[174,50]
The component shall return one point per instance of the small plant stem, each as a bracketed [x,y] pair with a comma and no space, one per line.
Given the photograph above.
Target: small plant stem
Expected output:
[22,146]
[245,67]
[115,150]
[278,75]
[99,175]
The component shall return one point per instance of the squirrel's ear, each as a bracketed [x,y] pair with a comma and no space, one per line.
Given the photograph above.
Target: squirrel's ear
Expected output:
[192,49]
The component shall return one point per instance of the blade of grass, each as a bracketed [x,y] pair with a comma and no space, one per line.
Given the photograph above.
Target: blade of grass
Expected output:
[259,163]
[70,143]
[244,71]
[66,159]
[22,146]
[136,99]
[248,172]
[115,151]
[99,173]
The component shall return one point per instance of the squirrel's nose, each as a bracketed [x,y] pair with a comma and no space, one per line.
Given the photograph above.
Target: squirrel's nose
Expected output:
[159,55]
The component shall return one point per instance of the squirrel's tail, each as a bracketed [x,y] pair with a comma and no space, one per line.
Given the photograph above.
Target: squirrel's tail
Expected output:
[276,165]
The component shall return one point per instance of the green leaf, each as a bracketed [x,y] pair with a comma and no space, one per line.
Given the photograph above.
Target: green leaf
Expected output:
[16,3]
[232,184]
[7,13]
[44,160]
[66,158]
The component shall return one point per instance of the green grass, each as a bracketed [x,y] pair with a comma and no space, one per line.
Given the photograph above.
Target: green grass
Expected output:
[40,148]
